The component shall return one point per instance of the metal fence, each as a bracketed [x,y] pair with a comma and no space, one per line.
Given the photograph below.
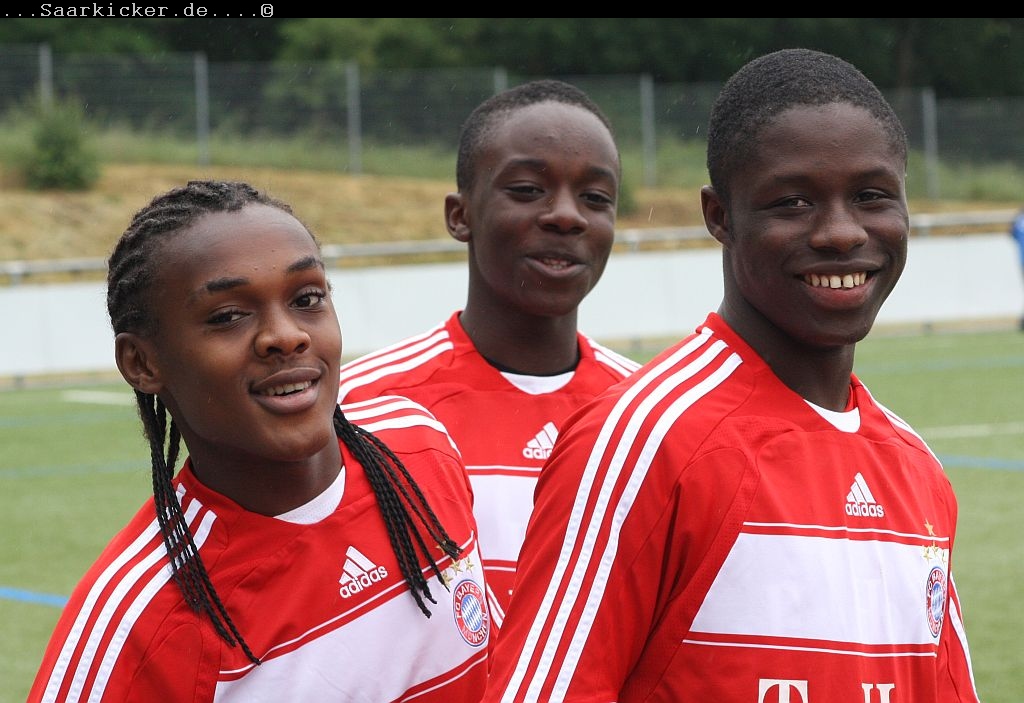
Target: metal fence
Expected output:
[336,103]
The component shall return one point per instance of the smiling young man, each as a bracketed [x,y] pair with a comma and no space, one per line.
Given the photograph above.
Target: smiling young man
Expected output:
[538,182]
[741,521]
[296,554]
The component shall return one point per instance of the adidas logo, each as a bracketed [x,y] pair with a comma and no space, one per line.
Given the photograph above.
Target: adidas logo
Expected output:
[859,500]
[358,573]
[540,446]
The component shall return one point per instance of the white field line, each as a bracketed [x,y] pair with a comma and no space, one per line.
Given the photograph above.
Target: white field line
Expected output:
[949,432]
[955,431]
[98,397]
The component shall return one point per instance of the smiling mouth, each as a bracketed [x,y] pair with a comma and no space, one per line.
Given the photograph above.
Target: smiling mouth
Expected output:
[835,280]
[557,263]
[286,389]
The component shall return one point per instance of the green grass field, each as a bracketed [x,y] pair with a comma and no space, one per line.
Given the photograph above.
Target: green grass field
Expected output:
[74,467]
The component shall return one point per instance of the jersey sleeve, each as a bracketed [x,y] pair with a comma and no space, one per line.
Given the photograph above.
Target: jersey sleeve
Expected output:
[585,593]
[165,668]
[956,684]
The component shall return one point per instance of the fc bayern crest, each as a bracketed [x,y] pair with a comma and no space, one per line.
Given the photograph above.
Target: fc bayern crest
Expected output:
[471,612]
[935,599]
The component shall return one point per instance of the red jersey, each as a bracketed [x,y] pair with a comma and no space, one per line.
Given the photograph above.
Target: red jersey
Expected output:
[703,533]
[317,594]
[504,424]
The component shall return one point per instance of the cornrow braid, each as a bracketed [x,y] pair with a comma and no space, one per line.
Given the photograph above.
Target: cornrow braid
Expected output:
[397,495]
[131,271]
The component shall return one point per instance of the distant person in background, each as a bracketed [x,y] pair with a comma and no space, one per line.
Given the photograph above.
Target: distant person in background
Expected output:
[538,178]
[302,552]
[1017,232]
[741,521]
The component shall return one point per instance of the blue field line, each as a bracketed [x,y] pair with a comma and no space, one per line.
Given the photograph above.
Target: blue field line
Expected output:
[977,462]
[16,594]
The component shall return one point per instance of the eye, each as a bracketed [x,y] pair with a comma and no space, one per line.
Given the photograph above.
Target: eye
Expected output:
[871,195]
[223,317]
[525,190]
[599,199]
[793,201]
[313,298]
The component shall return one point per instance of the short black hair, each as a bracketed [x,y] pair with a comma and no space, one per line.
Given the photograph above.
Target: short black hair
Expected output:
[768,85]
[485,116]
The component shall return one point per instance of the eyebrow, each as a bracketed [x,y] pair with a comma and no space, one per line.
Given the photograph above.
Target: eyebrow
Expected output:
[217,285]
[540,165]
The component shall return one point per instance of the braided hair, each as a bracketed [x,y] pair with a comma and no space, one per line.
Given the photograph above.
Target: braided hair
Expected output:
[132,269]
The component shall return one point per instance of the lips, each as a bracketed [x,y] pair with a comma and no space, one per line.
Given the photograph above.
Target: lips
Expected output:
[836,280]
[556,261]
[286,382]
[285,389]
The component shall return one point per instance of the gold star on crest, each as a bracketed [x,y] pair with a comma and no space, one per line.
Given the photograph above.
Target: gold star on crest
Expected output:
[930,527]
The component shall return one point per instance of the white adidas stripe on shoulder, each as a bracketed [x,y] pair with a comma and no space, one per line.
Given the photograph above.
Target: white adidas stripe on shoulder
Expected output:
[622,365]
[901,423]
[392,360]
[87,642]
[398,350]
[609,458]
[388,412]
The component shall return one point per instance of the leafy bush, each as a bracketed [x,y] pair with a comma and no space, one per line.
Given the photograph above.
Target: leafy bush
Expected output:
[60,155]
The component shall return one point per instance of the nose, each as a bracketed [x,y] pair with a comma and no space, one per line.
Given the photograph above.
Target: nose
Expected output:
[280,333]
[839,229]
[563,213]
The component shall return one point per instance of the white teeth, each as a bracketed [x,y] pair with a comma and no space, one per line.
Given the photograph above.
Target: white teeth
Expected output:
[849,280]
[556,263]
[287,388]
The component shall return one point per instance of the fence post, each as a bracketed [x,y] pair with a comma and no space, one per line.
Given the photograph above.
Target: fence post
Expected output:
[930,124]
[45,75]
[500,79]
[355,128]
[650,151]
[202,77]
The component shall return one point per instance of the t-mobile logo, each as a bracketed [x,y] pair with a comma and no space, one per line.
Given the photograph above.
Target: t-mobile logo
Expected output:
[789,691]
[783,687]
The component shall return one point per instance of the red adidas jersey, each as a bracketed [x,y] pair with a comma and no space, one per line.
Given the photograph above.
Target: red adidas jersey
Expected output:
[323,604]
[702,533]
[504,424]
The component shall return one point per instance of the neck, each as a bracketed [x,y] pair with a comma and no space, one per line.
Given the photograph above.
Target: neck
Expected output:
[536,346]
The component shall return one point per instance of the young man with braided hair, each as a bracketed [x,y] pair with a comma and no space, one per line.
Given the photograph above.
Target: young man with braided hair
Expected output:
[741,521]
[538,182]
[304,551]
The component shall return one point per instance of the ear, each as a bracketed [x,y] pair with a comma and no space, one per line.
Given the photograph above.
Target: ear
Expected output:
[716,216]
[455,216]
[136,362]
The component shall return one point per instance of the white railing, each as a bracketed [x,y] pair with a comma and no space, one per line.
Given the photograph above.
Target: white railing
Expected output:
[632,239]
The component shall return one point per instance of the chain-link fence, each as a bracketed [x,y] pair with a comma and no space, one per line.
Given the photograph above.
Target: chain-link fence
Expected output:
[344,108]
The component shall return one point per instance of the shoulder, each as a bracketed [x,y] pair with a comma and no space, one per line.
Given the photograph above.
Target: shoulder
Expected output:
[401,423]
[404,363]
[617,364]
[700,378]
[125,627]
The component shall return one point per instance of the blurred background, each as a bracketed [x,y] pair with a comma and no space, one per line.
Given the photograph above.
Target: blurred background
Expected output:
[208,91]
[354,122]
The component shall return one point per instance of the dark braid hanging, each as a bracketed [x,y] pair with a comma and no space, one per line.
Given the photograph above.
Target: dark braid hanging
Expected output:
[131,271]
[392,484]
